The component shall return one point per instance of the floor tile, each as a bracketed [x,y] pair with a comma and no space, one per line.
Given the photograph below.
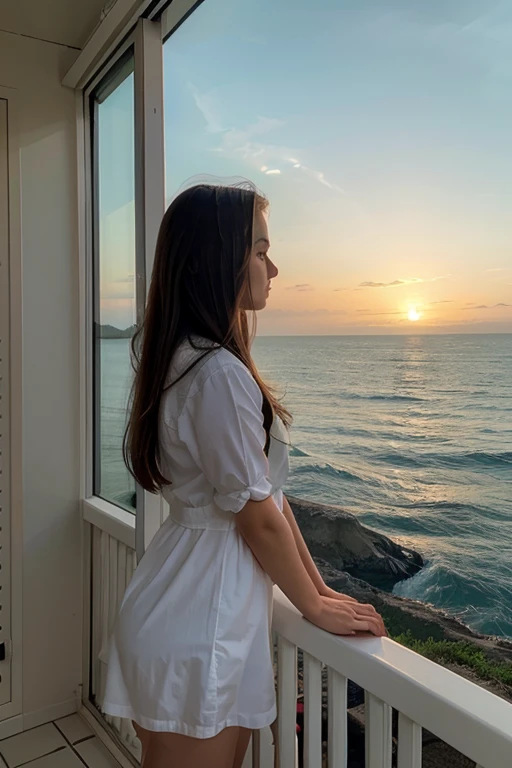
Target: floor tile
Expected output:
[95,754]
[29,745]
[74,728]
[65,758]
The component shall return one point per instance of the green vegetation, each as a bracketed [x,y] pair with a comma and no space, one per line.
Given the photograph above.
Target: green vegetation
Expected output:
[463,654]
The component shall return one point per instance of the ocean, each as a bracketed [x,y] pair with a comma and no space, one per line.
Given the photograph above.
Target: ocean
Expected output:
[413,434]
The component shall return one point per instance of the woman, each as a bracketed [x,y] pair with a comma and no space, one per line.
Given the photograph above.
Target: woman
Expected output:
[190,659]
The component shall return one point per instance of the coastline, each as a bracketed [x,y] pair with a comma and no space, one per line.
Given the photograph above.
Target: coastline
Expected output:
[365,564]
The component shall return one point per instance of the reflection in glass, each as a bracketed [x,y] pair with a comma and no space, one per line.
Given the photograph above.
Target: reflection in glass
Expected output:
[114,285]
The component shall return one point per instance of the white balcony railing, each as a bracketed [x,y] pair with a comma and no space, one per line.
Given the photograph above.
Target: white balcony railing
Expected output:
[113,564]
[472,720]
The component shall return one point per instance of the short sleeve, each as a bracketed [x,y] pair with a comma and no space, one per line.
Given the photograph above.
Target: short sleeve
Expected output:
[222,426]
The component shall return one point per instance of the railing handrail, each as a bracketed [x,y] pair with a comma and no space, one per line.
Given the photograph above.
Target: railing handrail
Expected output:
[461,713]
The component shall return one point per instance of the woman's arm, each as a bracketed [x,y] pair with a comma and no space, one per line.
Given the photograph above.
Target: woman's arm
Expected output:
[271,540]
[306,558]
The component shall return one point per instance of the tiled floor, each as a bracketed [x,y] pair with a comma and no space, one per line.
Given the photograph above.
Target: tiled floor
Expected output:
[67,743]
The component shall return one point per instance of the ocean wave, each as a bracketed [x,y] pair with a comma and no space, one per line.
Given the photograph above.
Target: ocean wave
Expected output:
[446,505]
[485,601]
[397,459]
[380,432]
[386,398]
[464,392]
[457,460]
[373,434]
[298,453]
[435,583]
[440,518]
[405,361]
[328,470]
[490,431]
[479,458]
[478,406]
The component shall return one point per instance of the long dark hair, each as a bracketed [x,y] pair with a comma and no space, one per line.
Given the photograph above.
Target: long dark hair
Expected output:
[200,277]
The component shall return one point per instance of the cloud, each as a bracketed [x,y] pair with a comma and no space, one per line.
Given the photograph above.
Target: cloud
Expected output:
[367,313]
[397,283]
[317,175]
[446,301]
[370,284]
[488,306]
[300,287]
[304,312]
[246,143]
[207,104]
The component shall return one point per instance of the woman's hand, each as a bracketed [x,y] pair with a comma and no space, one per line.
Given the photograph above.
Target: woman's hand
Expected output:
[326,591]
[345,617]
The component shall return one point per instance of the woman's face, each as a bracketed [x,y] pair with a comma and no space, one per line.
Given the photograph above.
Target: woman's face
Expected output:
[261,269]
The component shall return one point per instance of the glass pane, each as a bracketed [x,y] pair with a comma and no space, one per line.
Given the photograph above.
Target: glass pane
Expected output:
[114,284]
[380,132]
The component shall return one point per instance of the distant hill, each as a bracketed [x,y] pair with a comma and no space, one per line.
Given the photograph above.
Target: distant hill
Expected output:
[111,332]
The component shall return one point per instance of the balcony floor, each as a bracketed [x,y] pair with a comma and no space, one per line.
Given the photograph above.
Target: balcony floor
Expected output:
[66,743]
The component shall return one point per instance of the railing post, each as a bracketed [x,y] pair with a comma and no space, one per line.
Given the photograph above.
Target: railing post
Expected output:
[409,743]
[378,740]
[105,597]
[97,581]
[249,755]
[287,702]
[312,712]
[127,730]
[263,750]
[337,718]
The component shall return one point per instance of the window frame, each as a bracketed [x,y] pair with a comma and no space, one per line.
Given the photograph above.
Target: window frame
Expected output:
[89,296]
[124,66]
[146,42]
[109,44]
[175,14]
[149,211]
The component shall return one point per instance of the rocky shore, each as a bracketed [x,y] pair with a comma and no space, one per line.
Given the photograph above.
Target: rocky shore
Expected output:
[365,564]
[339,539]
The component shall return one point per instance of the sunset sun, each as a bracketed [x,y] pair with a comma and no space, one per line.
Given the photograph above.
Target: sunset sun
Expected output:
[413,314]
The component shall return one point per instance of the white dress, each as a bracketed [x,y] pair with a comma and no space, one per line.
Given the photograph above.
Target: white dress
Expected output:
[190,651]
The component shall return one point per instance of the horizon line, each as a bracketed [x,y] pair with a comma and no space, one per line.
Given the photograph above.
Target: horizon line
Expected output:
[337,334]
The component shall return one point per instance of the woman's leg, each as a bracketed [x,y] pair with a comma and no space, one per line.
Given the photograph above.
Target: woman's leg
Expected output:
[244,737]
[172,750]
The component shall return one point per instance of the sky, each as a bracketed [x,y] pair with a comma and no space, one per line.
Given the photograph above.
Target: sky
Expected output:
[380,130]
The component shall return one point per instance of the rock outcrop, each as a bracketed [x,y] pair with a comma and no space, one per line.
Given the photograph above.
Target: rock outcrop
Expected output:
[338,538]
